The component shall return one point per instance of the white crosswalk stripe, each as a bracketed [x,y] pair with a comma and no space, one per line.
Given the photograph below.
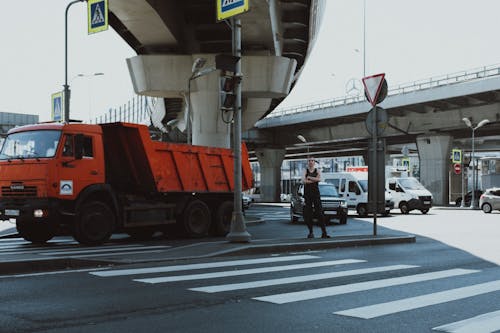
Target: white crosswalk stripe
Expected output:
[382,309]
[485,323]
[296,279]
[244,271]
[362,286]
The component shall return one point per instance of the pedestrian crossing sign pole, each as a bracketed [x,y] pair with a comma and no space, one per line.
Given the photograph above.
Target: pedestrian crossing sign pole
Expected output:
[97,15]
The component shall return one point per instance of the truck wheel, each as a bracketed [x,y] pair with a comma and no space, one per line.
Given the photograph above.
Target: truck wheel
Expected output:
[403,206]
[94,223]
[362,210]
[424,211]
[343,219]
[223,218]
[196,219]
[35,233]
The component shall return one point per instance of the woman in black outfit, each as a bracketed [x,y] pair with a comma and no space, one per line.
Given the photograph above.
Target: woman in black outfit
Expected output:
[311,178]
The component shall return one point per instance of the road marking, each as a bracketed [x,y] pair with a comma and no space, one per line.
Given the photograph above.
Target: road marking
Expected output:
[176,268]
[68,250]
[50,273]
[485,323]
[362,286]
[108,249]
[296,279]
[164,279]
[382,309]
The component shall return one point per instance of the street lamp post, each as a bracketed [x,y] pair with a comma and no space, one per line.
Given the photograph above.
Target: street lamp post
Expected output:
[67,91]
[473,203]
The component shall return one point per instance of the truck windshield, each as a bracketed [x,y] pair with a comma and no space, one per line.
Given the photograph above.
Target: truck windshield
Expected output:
[328,190]
[411,184]
[30,144]
[364,184]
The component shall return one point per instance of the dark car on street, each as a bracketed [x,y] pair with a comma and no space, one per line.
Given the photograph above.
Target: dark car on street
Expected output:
[334,206]
[468,198]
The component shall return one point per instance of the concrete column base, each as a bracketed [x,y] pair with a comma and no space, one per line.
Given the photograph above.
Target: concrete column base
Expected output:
[434,154]
[270,161]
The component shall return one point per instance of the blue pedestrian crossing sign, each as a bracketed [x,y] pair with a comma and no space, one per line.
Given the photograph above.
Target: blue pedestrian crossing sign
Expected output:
[97,15]
[228,8]
[57,103]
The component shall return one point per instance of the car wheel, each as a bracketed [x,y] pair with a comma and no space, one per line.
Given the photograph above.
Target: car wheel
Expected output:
[458,202]
[404,208]
[424,211]
[343,219]
[486,208]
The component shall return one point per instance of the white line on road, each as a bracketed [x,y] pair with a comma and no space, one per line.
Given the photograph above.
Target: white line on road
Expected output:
[296,279]
[362,286]
[108,249]
[382,309]
[176,268]
[164,279]
[50,273]
[485,323]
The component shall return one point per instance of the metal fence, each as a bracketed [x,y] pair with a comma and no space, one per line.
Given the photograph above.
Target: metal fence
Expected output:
[137,110]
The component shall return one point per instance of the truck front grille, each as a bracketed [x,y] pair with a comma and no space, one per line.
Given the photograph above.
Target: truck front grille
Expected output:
[330,204]
[27,191]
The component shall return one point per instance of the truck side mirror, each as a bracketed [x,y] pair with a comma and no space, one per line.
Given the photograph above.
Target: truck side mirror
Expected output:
[392,186]
[78,146]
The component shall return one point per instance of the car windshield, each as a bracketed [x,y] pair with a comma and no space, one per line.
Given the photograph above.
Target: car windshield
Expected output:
[30,144]
[411,184]
[328,190]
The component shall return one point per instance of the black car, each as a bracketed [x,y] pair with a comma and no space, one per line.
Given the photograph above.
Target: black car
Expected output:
[468,198]
[334,206]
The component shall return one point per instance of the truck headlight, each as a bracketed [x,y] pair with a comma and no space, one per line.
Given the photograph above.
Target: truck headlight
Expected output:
[343,204]
[40,213]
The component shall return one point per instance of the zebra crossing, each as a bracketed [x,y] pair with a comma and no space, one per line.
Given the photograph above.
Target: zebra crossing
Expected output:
[67,247]
[250,269]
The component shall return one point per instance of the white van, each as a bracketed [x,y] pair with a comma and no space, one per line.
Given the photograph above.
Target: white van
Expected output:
[408,194]
[353,186]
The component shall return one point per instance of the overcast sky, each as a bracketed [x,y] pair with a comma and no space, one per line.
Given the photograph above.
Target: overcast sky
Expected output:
[407,40]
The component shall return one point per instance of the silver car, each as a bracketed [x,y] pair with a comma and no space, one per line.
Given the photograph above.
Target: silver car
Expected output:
[490,200]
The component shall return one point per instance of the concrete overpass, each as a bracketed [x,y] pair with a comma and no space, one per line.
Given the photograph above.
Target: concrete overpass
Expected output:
[425,115]
[169,35]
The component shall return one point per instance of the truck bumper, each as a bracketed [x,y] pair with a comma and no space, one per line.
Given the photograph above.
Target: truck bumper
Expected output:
[34,210]
[419,204]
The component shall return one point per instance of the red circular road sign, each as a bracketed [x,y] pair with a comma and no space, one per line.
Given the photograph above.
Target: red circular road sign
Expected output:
[457,168]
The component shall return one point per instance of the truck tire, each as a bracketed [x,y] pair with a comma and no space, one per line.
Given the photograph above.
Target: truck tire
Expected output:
[362,210]
[196,219]
[35,233]
[94,223]
[223,218]
[343,219]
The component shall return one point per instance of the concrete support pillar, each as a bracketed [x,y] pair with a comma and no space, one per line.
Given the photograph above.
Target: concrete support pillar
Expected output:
[434,154]
[270,161]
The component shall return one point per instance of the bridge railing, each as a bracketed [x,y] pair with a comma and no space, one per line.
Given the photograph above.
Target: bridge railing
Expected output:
[136,110]
[433,82]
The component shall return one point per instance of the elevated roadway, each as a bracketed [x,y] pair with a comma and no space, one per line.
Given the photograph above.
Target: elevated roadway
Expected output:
[426,115]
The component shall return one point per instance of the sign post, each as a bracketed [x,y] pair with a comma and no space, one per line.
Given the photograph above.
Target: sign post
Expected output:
[375,92]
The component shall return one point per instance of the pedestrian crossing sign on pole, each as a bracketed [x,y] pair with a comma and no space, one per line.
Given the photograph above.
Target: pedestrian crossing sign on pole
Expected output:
[97,15]
[57,103]
[229,8]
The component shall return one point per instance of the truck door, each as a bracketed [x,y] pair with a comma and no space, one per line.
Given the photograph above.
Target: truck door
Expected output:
[76,174]
[353,193]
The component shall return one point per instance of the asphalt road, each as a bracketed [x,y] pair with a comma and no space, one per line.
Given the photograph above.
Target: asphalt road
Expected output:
[424,286]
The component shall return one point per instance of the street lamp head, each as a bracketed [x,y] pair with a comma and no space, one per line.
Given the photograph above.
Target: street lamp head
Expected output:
[482,123]
[301,138]
[198,64]
[467,122]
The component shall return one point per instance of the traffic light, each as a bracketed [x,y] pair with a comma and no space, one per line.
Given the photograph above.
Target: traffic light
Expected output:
[227,94]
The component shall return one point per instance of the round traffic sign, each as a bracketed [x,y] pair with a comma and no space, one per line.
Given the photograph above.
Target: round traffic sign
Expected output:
[381,121]
[457,168]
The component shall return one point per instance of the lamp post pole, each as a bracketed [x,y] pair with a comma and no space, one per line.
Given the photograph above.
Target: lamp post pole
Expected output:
[67,91]
[473,203]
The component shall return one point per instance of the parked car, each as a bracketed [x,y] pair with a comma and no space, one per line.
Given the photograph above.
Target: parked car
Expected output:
[334,206]
[490,200]
[468,198]
[246,201]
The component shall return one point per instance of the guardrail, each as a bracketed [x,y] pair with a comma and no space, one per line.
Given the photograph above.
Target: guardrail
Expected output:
[433,82]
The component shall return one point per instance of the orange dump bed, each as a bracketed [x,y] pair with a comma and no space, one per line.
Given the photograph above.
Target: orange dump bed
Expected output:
[133,159]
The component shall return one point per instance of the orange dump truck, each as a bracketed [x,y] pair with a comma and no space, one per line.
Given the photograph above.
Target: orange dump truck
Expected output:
[94,180]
